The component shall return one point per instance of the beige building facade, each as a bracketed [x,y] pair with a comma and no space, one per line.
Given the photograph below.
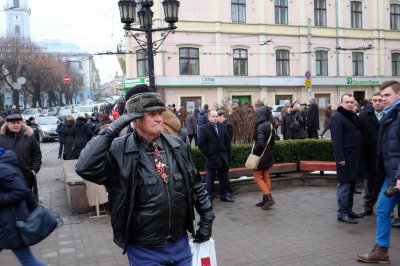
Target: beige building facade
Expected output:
[244,51]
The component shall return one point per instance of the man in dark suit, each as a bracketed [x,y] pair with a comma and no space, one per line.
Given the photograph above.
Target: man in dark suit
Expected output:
[369,127]
[214,144]
[312,119]
[346,141]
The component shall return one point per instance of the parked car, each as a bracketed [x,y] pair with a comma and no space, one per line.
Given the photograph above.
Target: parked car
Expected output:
[31,112]
[86,109]
[277,112]
[47,128]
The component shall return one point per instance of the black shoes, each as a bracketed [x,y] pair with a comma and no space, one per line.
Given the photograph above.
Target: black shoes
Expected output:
[355,215]
[366,212]
[227,199]
[396,223]
[347,219]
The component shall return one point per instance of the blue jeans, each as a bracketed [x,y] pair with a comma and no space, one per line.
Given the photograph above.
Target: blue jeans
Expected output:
[384,210]
[172,254]
[26,257]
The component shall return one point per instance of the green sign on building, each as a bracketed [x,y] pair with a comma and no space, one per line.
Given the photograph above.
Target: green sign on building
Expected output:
[352,81]
[129,83]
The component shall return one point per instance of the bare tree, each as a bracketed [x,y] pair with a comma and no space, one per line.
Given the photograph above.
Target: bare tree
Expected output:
[14,52]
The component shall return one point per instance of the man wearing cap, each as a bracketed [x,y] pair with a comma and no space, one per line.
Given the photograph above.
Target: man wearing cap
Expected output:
[16,136]
[152,185]
[93,122]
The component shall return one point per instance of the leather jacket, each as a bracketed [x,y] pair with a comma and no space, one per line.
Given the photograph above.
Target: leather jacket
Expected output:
[115,163]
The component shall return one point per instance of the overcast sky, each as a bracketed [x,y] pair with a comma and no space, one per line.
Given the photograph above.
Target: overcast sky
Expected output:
[93,25]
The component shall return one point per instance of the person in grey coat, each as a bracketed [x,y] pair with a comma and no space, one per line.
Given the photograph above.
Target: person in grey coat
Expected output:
[346,141]
[191,127]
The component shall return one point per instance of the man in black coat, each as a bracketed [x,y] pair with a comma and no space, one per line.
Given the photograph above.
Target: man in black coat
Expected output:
[369,127]
[312,119]
[16,136]
[346,141]
[214,144]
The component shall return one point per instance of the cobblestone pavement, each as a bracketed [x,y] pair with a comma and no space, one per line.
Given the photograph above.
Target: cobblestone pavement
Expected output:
[300,229]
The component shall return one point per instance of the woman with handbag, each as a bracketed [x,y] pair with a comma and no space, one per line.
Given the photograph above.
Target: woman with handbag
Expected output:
[297,124]
[16,200]
[263,144]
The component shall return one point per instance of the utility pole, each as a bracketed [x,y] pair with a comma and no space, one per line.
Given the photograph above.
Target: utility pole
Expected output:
[309,54]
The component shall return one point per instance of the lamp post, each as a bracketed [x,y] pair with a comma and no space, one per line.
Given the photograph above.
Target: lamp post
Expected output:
[127,10]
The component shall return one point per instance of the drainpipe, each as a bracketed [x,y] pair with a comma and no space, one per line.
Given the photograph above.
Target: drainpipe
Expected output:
[337,51]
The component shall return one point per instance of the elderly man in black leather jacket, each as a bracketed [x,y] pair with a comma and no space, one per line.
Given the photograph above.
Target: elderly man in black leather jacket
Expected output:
[152,185]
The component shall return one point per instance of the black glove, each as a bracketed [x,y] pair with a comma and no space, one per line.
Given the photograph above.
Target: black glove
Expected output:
[205,227]
[123,121]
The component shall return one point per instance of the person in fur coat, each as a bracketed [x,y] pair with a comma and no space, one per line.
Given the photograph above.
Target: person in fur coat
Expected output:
[16,136]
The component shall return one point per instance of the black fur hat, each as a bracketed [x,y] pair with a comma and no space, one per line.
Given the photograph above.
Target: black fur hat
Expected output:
[145,102]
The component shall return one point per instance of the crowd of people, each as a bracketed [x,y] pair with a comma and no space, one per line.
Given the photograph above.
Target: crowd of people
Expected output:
[141,153]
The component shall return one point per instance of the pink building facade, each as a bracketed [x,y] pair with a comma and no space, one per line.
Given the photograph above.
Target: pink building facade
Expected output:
[243,51]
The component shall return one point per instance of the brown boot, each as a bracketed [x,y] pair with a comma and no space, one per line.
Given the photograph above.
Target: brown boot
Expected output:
[269,202]
[377,255]
[262,202]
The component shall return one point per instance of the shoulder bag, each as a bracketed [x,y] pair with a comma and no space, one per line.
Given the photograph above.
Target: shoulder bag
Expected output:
[37,226]
[253,160]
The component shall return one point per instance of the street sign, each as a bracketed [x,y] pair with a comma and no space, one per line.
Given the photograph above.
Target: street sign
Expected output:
[21,80]
[67,79]
[307,83]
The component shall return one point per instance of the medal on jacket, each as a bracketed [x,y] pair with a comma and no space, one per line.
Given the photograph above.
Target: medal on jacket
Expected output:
[159,163]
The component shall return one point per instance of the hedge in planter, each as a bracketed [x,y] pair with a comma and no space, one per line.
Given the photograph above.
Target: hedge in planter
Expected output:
[284,151]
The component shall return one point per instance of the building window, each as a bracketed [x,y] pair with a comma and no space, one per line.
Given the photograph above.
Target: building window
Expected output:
[321,61]
[189,61]
[142,63]
[320,13]
[396,64]
[238,10]
[17,30]
[282,63]
[282,99]
[138,8]
[281,12]
[356,14]
[240,62]
[395,17]
[322,100]
[358,64]
[80,65]
[16,3]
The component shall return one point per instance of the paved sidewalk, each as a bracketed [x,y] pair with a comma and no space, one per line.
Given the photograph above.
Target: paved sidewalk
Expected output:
[301,229]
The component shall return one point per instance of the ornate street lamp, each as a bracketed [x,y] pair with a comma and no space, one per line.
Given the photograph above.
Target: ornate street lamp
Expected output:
[127,9]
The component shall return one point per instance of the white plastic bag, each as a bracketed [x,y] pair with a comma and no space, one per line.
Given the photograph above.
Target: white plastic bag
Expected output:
[203,254]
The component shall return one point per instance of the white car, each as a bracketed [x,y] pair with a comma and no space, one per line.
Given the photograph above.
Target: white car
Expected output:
[47,128]
[277,112]
[32,112]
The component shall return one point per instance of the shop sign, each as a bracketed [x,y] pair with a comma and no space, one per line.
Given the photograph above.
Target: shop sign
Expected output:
[129,83]
[352,81]
[207,81]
